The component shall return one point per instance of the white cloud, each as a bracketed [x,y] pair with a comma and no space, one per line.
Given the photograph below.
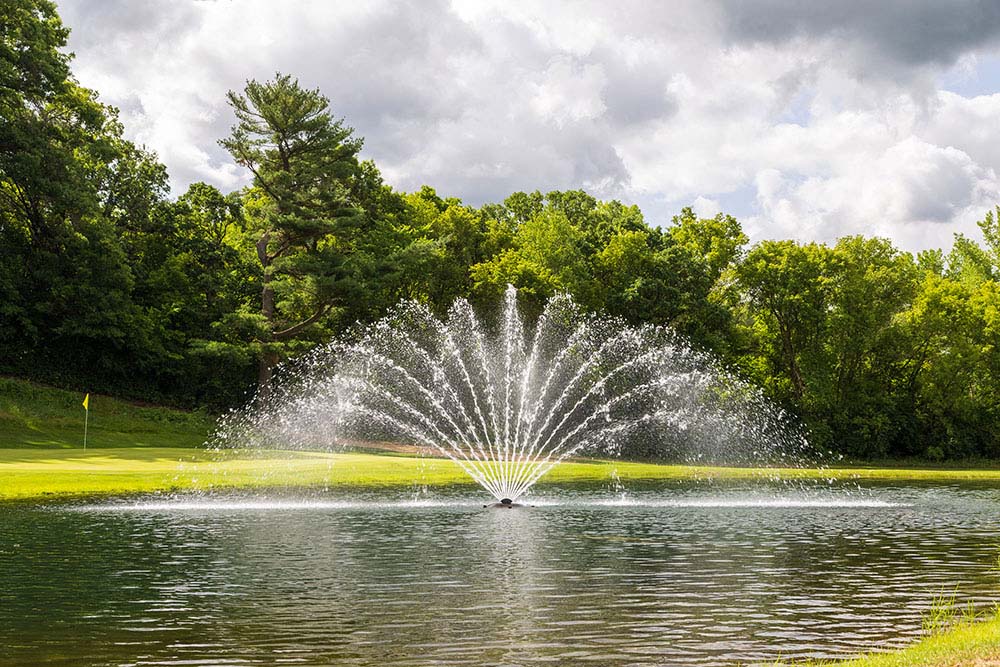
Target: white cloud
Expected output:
[705,207]
[805,123]
[912,190]
[568,92]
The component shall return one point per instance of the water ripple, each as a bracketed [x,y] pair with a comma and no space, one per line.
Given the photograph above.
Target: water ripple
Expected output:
[666,575]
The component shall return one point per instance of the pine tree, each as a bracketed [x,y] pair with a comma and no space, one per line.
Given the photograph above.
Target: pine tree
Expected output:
[304,163]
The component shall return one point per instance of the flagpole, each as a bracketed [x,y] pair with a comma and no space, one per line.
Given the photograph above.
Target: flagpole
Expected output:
[86,418]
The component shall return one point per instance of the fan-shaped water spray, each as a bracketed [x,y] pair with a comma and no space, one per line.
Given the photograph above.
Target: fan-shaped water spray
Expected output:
[508,400]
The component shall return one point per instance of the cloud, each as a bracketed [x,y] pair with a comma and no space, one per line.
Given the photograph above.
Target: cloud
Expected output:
[805,120]
[908,32]
[705,207]
[912,188]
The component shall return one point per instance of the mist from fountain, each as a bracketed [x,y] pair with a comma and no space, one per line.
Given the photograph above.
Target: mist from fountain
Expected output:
[507,400]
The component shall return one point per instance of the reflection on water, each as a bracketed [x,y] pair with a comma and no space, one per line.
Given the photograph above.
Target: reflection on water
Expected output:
[669,575]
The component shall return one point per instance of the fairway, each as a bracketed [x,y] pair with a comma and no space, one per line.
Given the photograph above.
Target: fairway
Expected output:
[36,473]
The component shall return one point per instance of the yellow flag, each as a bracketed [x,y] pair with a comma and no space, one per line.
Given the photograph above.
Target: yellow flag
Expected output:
[86,402]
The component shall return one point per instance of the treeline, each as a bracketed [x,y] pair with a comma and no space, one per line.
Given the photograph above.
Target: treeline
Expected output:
[107,284]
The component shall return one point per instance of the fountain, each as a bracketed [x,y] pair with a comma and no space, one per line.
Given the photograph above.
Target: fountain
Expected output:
[508,400]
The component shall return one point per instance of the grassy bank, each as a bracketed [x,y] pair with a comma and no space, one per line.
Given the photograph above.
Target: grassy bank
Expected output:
[966,645]
[33,415]
[32,473]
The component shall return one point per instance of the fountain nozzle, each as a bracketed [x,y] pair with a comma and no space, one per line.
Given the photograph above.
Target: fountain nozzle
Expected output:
[506,503]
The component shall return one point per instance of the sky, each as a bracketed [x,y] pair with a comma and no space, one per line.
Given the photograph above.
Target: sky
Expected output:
[805,120]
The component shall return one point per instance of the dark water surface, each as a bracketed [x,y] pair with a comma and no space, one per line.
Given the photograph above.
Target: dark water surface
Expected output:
[672,576]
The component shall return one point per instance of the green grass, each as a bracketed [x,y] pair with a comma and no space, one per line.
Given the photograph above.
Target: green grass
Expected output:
[30,473]
[33,473]
[965,645]
[33,415]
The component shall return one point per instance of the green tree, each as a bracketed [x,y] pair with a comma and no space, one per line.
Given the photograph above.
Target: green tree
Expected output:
[632,286]
[32,66]
[438,241]
[871,284]
[52,130]
[973,264]
[719,240]
[648,277]
[304,164]
[548,256]
[70,188]
[787,286]
[872,281]
[941,370]
[704,253]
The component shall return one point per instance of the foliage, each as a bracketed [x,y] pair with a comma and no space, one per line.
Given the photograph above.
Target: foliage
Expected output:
[942,614]
[302,213]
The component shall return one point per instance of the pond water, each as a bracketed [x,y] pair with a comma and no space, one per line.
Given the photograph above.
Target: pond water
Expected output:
[669,575]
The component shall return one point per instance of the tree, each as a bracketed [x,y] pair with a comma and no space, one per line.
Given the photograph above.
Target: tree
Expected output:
[703,252]
[647,277]
[719,240]
[71,188]
[303,163]
[32,67]
[788,285]
[547,257]
[437,241]
[943,365]
[973,264]
[871,283]
[195,268]
[51,130]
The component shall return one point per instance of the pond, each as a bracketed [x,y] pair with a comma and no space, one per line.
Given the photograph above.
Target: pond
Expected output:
[669,574]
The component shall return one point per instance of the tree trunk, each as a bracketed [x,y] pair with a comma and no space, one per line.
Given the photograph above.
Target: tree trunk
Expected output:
[792,362]
[268,357]
[268,360]
[797,382]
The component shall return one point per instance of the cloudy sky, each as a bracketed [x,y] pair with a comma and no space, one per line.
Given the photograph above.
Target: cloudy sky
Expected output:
[805,120]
